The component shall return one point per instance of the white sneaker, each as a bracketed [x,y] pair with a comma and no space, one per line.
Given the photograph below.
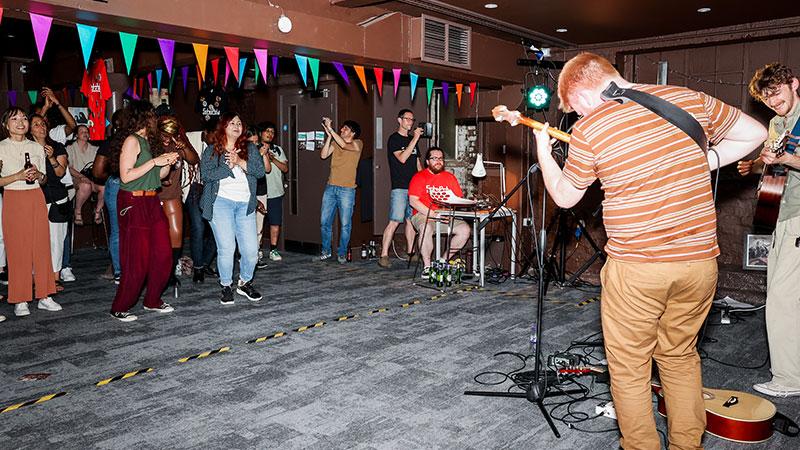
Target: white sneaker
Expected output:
[164,308]
[67,275]
[49,304]
[776,390]
[21,309]
[274,255]
[2,318]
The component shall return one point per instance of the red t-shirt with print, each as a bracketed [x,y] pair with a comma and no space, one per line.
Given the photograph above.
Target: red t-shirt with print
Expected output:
[97,90]
[422,183]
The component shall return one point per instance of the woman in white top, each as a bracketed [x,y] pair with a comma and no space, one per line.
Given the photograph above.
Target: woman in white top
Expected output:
[81,157]
[25,225]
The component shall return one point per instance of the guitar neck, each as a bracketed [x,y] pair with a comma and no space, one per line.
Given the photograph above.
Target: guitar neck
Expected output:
[553,132]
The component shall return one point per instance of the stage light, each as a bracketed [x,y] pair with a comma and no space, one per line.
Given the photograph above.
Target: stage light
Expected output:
[538,97]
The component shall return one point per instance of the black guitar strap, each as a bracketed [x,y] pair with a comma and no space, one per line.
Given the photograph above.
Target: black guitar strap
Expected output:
[671,113]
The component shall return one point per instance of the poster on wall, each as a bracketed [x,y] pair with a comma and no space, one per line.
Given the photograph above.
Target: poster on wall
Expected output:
[311,142]
[301,140]
[81,114]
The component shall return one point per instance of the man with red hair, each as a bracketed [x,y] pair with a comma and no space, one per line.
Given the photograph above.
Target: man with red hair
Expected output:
[658,212]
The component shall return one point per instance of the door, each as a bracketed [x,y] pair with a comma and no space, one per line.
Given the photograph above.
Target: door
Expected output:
[308,174]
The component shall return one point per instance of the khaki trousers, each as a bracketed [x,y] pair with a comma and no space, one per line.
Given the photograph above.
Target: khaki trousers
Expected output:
[783,304]
[654,311]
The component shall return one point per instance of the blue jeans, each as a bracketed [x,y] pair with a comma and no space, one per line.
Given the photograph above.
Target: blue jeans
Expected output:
[202,243]
[110,196]
[343,199]
[232,225]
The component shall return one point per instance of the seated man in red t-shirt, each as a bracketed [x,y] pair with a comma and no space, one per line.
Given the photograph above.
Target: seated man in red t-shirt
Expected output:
[432,177]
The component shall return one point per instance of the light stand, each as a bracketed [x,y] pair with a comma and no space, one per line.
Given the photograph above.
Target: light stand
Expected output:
[536,391]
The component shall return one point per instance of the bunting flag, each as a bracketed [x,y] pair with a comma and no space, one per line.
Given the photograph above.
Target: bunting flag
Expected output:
[429,87]
[128,48]
[343,73]
[261,63]
[473,87]
[150,80]
[242,65]
[445,92]
[233,62]
[171,83]
[215,70]
[33,95]
[41,29]
[201,53]
[361,77]
[185,76]
[128,92]
[167,51]
[258,73]
[313,63]
[86,34]
[1,15]
[199,79]
[396,73]
[275,60]
[159,74]
[227,75]
[378,71]
[12,98]
[302,65]
[459,87]
[413,77]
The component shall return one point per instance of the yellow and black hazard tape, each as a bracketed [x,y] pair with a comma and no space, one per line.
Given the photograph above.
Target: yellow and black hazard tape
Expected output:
[308,327]
[437,297]
[31,402]
[379,310]
[343,318]
[265,338]
[586,302]
[411,303]
[204,354]
[123,376]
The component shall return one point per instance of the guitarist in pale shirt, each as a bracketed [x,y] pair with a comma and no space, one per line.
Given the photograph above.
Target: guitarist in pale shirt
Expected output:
[776,86]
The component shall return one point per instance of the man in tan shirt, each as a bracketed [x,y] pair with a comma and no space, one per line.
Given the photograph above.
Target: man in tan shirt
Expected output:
[340,192]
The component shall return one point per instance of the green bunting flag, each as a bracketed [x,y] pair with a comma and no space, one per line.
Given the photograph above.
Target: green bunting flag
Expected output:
[429,87]
[128,48]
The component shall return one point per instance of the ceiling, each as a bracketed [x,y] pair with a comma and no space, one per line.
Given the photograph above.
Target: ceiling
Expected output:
[598,21]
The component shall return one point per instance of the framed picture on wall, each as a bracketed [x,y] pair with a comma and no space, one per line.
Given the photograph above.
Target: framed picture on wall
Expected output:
[80,113]
[756,251]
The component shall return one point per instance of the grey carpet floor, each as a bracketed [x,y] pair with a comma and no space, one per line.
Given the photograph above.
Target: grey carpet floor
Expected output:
[387,369]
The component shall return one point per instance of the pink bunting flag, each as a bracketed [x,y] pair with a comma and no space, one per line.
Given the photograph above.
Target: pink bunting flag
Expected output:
[473,88]
[167,51]
[261,59]
[1,15]
[233,62]
[41,29]
[227,75]
[378,71]
[396,73]
[342,73]
[150,80]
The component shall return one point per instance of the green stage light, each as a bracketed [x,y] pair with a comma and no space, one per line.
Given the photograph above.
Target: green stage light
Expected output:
[538,97]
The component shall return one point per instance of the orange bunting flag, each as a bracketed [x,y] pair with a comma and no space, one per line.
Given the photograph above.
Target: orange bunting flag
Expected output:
[201,53]
[199,79]
[361,77]
[459,87]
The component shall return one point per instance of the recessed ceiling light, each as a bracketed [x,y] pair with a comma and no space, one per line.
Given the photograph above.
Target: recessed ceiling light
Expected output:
[561,30]
[490,5]
[704,9]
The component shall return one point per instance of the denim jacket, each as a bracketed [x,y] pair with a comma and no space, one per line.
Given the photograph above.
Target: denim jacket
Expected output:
[213,169]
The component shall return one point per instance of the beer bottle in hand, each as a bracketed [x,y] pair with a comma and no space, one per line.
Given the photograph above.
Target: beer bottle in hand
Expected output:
[27,166]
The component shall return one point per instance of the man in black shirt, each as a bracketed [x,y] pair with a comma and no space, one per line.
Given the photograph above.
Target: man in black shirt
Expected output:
[404,163]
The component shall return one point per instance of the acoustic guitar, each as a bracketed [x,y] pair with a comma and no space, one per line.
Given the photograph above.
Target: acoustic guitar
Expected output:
[770,187]
[501,113]
[732,415]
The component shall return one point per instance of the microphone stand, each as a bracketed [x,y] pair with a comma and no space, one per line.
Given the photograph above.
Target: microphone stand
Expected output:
[536,391]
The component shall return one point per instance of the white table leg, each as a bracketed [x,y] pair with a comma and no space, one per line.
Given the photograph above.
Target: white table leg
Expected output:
[513,246]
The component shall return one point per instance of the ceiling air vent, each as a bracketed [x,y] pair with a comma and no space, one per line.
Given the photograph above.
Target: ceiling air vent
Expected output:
[441,42]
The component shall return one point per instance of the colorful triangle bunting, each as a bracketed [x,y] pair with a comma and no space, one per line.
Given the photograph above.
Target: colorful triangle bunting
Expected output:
[41,29]
[429,88]
[215,70]
[184,76]
[261,62]
[242,65]
[128,48]
[86,34]
[459,87]
[12,98]
[414,78]
[159,74]
[233,62]
[378,71]
[201,53]
[361,77]
[473,88]
[33,95]
[343,73]
[396,72]
[167,51]
[445,92]
[275,60]
[302,65]
[313,63]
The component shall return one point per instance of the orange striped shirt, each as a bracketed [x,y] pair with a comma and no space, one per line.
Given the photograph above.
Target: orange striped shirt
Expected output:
[658,204]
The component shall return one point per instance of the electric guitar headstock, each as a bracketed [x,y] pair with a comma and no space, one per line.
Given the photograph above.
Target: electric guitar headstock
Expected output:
[501,113]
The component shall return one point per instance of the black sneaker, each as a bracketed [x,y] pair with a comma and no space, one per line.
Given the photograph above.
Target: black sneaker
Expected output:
[262,263]
[227,295]
[199,275]
[123,316]
[248,291]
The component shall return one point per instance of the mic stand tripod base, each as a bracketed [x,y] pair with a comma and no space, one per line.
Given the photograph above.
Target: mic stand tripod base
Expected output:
[536,393]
